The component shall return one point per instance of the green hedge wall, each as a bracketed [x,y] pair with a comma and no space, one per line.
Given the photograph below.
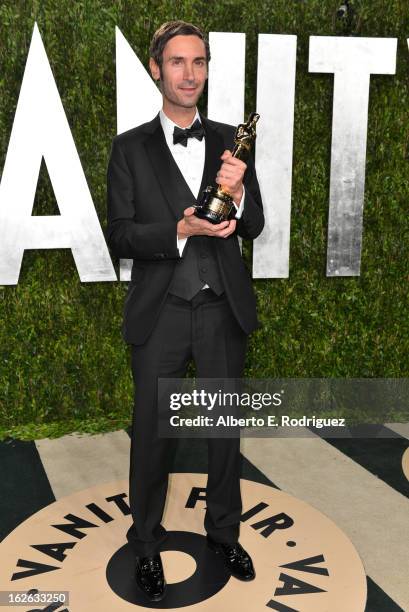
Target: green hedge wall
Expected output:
[62,358]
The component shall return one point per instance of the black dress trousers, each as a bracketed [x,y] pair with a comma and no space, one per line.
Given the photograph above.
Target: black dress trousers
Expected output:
[205,330]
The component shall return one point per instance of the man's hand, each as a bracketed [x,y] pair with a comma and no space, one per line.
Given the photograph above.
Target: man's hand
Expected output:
[191,225]
[230,175]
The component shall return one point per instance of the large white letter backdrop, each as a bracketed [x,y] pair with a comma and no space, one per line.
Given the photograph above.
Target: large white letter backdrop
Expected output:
[41,129]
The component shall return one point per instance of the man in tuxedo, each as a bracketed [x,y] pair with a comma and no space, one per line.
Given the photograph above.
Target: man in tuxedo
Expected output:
[190,295]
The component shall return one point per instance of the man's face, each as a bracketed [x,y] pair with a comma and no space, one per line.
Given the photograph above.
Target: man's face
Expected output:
[184,71]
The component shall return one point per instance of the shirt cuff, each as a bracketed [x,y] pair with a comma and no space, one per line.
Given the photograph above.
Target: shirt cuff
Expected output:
[240,207]
[180,243]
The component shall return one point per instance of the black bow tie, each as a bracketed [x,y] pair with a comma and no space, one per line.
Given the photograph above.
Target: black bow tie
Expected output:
[181,135]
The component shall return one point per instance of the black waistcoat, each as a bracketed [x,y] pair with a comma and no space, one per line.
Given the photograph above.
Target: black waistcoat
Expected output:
[198,266]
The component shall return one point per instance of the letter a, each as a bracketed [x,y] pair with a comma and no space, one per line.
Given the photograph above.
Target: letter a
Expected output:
[40,130]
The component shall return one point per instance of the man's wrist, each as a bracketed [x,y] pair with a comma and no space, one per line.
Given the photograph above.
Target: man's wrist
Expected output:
[181,230]
[237,195]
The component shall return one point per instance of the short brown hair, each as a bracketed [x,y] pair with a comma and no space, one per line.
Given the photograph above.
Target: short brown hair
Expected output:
[170,29]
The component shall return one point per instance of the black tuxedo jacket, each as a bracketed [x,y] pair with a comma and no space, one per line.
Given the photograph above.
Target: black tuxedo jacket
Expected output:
[146,198]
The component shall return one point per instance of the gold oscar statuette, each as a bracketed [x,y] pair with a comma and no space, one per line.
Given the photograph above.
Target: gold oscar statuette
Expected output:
[217,204]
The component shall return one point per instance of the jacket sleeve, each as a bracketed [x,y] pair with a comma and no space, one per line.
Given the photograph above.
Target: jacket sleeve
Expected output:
[251,223]
[125,237]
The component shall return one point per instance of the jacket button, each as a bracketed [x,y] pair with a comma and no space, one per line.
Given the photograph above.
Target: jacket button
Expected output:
[203,255]
[203,269]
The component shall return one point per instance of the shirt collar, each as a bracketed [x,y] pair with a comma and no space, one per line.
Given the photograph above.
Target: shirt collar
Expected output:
[168,125]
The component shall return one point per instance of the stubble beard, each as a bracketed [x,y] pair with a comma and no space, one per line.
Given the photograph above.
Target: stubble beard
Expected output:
[177,101]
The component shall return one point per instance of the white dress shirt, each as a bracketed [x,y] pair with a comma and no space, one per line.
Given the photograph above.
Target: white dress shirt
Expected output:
[190,160]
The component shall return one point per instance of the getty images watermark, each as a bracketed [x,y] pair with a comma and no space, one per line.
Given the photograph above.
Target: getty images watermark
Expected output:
[232,407]
[256,401]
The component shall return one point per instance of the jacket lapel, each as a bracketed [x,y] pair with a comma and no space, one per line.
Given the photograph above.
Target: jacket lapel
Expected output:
[174,187]
[214,148]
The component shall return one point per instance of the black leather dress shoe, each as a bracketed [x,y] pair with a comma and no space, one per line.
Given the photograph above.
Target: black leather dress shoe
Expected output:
[236,559]
[149,577]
